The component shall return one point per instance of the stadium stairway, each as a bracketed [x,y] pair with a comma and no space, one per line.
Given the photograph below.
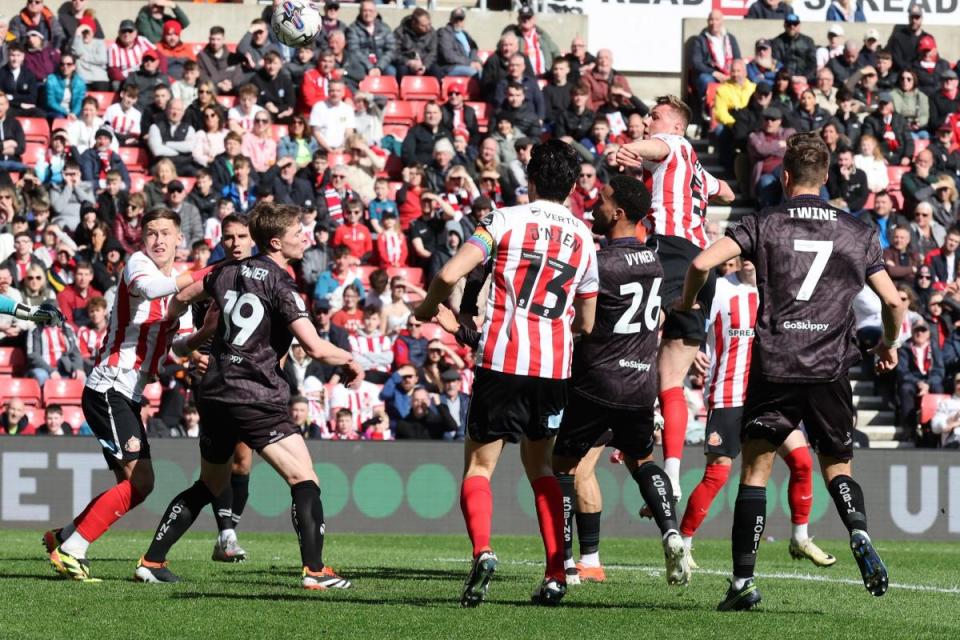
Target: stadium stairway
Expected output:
[873,417]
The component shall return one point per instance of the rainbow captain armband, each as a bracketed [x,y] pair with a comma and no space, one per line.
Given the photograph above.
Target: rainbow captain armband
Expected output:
[482,240]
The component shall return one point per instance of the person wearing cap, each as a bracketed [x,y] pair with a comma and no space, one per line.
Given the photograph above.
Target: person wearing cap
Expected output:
[330,19]
[929,66]
[41,59]
[919,372]
[435,172]
[146,79]
[371,45]
[891,130]
[125,55]
[70,14]
[912,104]
[172,47]
[96,161]
[733,94]
[766,149]
[457,403]
[768,10]
[456,50]
[946,158]
[945,101]
[867,90]
[191,225]
[20,85]
[796,51]
[416,52]
[905,38]
[871,45]
[457,114]
[847,63]
[152,16]
[35,16]
[712,53]
[834,48]
[846,11]
[535,43]
[764,66]
[91,53]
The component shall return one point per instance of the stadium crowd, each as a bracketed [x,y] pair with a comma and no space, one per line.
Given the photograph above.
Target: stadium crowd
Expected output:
[397,142]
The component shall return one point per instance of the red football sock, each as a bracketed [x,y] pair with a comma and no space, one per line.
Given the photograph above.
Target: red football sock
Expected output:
[698,505]
[106,509]
[673,407]
[476,503]
[549,500]
[800,490]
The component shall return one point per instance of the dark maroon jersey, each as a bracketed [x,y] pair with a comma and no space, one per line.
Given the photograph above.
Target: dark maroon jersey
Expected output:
[258,300]
[616,364]
[812,260]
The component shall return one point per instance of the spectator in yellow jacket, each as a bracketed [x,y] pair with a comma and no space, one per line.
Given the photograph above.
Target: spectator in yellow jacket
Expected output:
[733,94]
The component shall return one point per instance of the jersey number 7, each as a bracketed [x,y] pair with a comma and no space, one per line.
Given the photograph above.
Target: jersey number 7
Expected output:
[822,249]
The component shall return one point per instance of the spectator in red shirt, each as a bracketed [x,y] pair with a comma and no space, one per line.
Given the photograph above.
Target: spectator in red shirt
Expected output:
[73,299]
[350,316]
[353,234]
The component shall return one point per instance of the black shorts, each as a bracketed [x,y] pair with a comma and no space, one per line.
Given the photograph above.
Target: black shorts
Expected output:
[675,256]
[773,410]
[585,423]
[509,407]
[723,432]
[223,425]
[116,423]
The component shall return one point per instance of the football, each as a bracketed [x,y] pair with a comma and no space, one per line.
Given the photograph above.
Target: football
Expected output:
[296,22]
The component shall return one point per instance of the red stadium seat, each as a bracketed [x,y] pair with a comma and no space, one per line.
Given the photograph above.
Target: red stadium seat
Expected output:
[279,131]
[413,275]
[34,152]
[25,389]
[227,101]
[919,145]
[483,54]
[394,166]
[12,361]
[398,131]
[338,157]
[399,112]
[432,331]
[483,114]
[137,181]
[420,88]
[74,417]
[196,47]
[104,99]
[152,393]
[469,87]
[59,123]
[62,392]
[34,420]
[895,174]
[35,130]
[135,158]
[381,86]
[394,186]
[928,406]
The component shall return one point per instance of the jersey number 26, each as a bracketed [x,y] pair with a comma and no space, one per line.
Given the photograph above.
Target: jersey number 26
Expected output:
[651,313]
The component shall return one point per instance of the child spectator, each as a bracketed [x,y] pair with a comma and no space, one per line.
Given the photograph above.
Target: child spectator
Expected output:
[241,115]
[353,234]
[90,336]
[126,227]
[202,196]
[123,118]
[186,88]
[344,427]
[337,278]
[371,349]
[212,229]
[242,190]
[53,423]
[349,317]
[391,243]
[378,294]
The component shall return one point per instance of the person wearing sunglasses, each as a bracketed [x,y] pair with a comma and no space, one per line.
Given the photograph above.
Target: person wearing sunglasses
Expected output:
[65,90]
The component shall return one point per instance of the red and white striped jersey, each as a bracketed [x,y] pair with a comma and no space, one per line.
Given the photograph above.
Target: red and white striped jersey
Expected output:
[373,353]
[680,188]
[138,337]
[52,344]
[244,119]
[128,59]
[123,123]
[361,402]
[543,258]
[730,342]
[90,340]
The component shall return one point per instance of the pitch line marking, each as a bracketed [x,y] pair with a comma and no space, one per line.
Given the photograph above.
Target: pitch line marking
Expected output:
[656,571]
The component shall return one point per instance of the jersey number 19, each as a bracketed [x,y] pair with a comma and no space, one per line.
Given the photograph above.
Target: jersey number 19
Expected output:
[242,315]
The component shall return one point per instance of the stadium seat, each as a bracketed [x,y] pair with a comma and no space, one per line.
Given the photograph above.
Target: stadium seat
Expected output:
[196,47]
[399,112]
[483,54]
[74,417]
[279,131]
[385,86]
[227,101]
[62,392]
[188,182]
[394,186]
[483,114]
[338,157]
[25,389]
[12,361]
[394,167]
[135,158]
[398,131]
[34,153]
[152,393]
[137,181]
[104,99]
[894,175]
[928,406]
[869,203]
[35,130]
[919,145]
[469,87]
[432,331]
[59,123]
[34,420]
[410,274]
[420,88]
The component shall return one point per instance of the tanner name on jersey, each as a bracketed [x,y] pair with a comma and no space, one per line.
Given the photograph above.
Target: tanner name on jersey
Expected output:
[813,213]
[640,257]
[555,234]
[257,273]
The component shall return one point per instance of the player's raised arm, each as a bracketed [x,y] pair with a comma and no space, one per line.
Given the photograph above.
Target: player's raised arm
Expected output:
[633,154]
[469,256]
[892,313]
[320,349]
[713,256]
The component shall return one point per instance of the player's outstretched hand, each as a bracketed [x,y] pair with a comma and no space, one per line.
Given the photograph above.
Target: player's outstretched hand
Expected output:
[446,319]
[353,374]
[886,358]
[47,315]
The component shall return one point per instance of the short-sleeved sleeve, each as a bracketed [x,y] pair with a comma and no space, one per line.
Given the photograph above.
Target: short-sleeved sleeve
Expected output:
[711,184]
[589,284]
[874,254]
[745,235]
[286,300]
[488,233]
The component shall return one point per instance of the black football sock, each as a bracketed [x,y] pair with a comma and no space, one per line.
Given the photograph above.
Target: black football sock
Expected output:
[588,531]
[307,517]
[657,492]
[569,496]
[180,514]
[749,520]
[848,496]
[240,484]
[222,509]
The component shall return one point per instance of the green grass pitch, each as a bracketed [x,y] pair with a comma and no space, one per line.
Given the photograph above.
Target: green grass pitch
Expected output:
[409,586]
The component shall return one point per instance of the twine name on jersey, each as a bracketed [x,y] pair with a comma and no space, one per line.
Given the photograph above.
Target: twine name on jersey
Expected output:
[812,213]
